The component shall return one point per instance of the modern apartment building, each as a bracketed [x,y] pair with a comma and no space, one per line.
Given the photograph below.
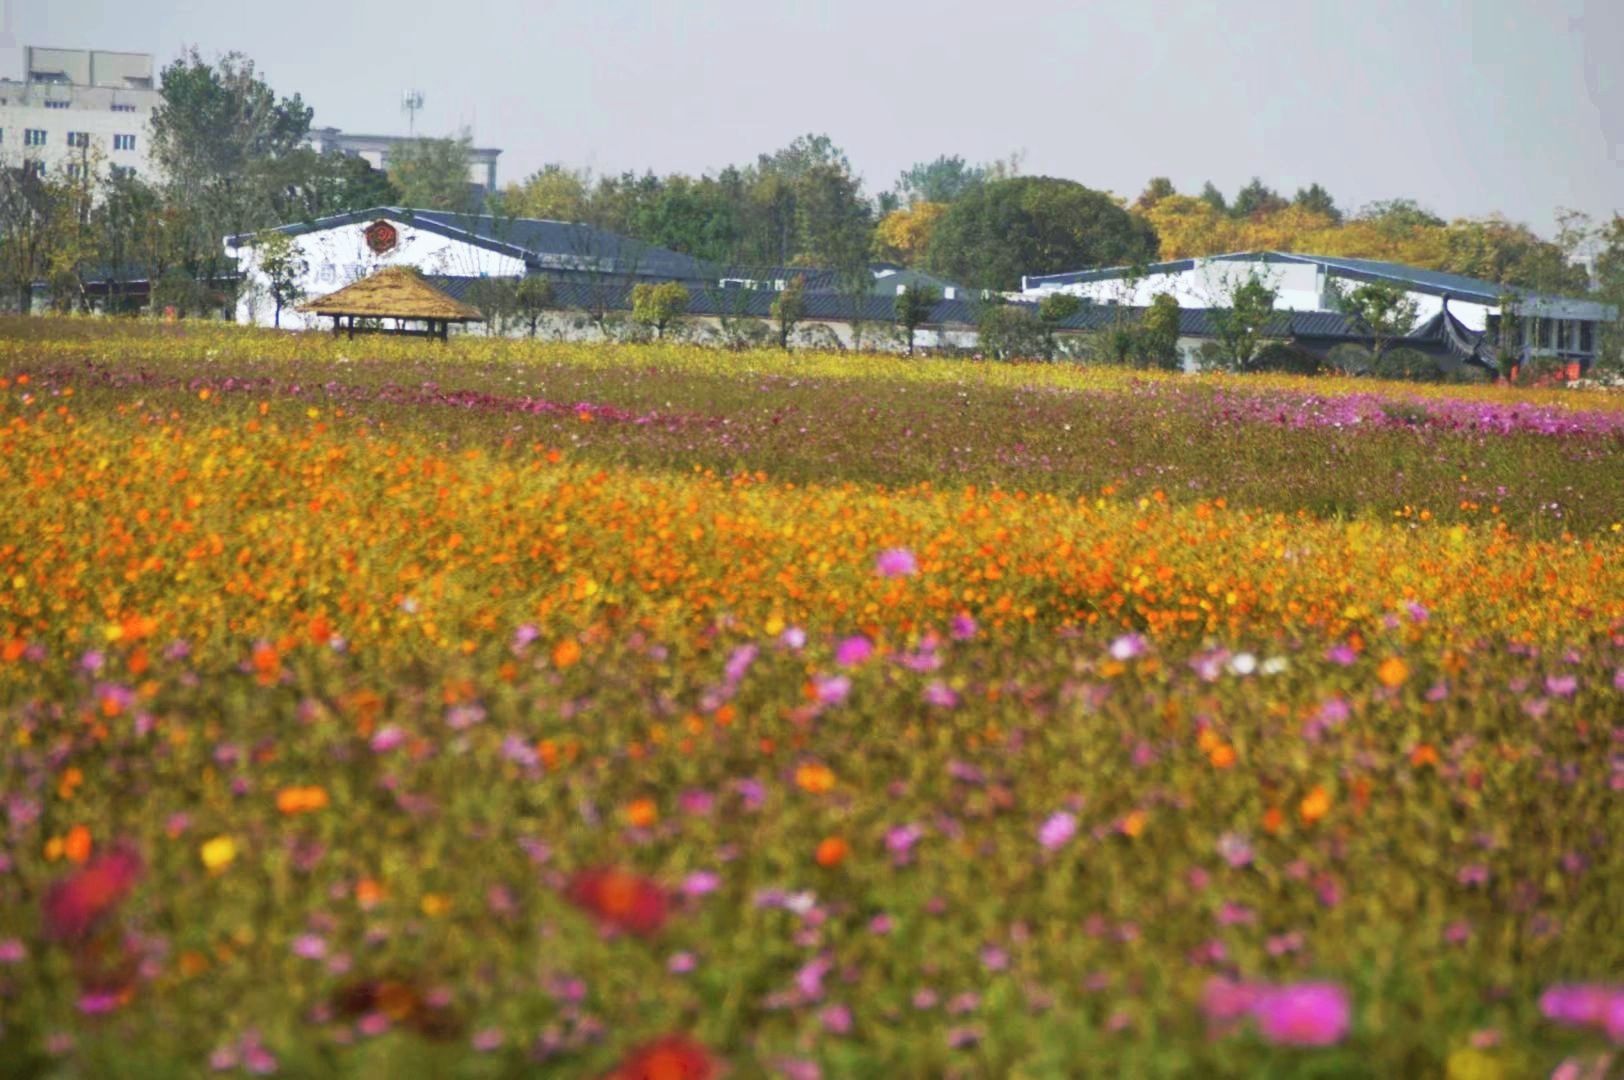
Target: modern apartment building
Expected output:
[78,108]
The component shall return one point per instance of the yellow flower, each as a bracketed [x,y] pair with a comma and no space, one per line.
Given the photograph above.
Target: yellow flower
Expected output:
[435,904]
[1315,805]
[814,779]
[217,854]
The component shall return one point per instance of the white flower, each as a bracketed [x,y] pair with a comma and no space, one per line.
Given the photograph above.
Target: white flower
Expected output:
[1243,664]
[1274,665]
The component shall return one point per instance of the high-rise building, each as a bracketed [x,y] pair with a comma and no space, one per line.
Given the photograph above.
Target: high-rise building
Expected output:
[78,108]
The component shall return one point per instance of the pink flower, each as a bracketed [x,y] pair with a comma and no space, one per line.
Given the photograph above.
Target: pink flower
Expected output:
[387,738]
[939,694]
[831,689]
[1561,685]
[1129,647]
[896,562]
[1578,1004]
[836,1020]
[76,903]
[853,650]
[1057,830]
[964,628]
[1304,1014]
[1225,999]
[700,883]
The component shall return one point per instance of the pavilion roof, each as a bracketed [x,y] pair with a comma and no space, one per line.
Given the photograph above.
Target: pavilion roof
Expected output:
[395,292]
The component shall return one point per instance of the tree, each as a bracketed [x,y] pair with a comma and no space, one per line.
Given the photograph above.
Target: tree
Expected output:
[1239,323]
[284,267]
[532,298]
[1034,225]
[1381,309]
[658,306]
[789,308]
[1610,288]
[129,226]
[553,193]
[940,181]
[495,297]
[832,224]
[903,236]
[1317,200]
[1011,332]
[1158,345]
[217,132]
[432,174]
[1214,198]
[913,310]
[1256,199]
[1159,188]
[1057,307]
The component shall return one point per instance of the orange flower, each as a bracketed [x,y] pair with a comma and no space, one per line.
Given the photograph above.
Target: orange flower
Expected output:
[815,779]
[1134,823]
[641,813]
[1393,672]
[1222,756]
[77,846]
[1425,754]
[1315,805]
[301,800]
[1273,820]
[566,653]
[832,851]
[675,1057]
[368,893]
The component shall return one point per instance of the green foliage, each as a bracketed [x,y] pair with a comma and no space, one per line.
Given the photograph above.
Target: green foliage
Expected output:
[789,308]
[1382,309]
[1011,332]
[941,181]
[1316,200]
[284,267]
[1058,307]
[913,309]
[1159,334]
[658,306]
[1240,317]
[432,174]
[1286,359]
[1256,199]
[1034,225]
[1406,363]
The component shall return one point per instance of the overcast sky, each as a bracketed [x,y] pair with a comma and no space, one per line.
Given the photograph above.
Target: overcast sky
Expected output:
[1469,107]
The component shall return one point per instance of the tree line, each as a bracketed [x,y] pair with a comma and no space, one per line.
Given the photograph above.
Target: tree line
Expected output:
[232,158]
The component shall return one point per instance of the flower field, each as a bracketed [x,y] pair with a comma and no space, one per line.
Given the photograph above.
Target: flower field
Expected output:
[379,709]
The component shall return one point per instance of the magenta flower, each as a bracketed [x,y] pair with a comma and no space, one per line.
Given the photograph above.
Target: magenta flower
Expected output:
[700,883]
[1224,1000]
[1057,830]
[387,738]
[853,650]
[523,636]
[831,689]
[896,562]
[1304,1014]
[1578,1004]
[964,628]
[1561,685]
[940,695]
[836,1020]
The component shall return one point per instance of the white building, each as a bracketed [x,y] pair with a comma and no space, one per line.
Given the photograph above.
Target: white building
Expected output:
[376,150]
[78,108]
[1552,325]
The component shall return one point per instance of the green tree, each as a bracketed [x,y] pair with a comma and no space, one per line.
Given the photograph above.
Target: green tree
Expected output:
[552,193]
[1610,290]
[218,132]
[130,242]
[432,174]
[941,181]
[1316,200]
[1214,198]
[1058,307]
[1034,225]
[658,306]
[1240,320]
[532,299]
[1159,188]
[1011,332]
[1158,345]
[789,308]
[27,219]
[1256,199]
[913,309]
[284,266]
[1382,309]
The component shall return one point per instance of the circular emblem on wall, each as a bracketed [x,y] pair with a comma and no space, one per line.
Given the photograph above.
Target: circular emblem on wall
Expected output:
[382,237]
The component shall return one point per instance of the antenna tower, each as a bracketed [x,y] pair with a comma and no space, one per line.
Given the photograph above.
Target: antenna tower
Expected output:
[410,102]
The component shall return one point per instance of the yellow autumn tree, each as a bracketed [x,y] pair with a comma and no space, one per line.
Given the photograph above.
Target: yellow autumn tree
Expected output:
[902,235]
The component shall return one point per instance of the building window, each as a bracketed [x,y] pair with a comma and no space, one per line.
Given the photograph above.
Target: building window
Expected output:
[56,104]
[123,142]
[79,140]
[1587,337]
[74,172]
[121,107]
[123,172]
[33,137]
[34,168]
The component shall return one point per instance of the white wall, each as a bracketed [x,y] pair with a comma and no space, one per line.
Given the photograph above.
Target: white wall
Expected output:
[339,256]
[1300,287]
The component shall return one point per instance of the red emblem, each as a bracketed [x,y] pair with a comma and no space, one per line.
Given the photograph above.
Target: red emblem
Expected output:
[382,237]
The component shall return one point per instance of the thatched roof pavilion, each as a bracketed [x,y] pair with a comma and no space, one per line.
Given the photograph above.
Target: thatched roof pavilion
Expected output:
[395,292]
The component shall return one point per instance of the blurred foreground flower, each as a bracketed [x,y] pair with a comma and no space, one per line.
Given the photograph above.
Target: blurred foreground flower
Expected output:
[620,899]
[76,903]
[674,1057]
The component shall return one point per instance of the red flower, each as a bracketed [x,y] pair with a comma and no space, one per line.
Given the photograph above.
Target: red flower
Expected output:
[673,1057]
[76,903]
[620,898]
